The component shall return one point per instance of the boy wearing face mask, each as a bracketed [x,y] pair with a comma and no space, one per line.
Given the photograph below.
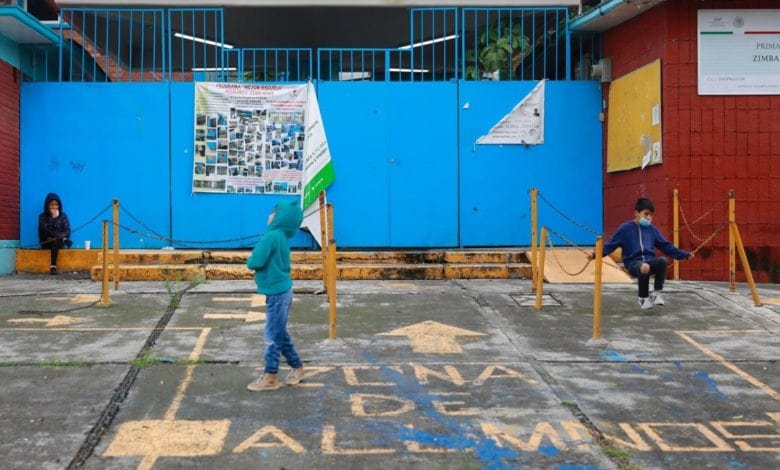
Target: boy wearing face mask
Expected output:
[638,239]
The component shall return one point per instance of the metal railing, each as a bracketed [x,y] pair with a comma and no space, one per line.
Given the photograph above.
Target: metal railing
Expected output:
[515,44]
[196,42]
[268,65]
[434,44]
[364,64]
[586,50]
[39,63]
[101,44]
[183,44]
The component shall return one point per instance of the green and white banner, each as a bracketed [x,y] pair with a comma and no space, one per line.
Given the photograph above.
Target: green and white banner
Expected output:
[318,171]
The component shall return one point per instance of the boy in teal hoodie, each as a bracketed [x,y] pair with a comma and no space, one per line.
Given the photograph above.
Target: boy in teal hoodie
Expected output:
[271,262]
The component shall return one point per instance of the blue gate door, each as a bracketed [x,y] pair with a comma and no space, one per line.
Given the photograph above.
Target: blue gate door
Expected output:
[394,148]
[423,161]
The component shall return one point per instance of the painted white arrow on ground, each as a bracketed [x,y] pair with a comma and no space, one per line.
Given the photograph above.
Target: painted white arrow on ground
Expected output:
[433,337]
[257,300]
[59,320]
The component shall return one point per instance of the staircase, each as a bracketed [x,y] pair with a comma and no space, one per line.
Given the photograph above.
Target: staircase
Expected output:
[155,265]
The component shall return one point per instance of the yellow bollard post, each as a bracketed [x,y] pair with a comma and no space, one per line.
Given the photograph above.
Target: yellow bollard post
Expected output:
[534,222]
[597,340]
[104,296]
[331,275]
[115,204]
[732,251]
[597,289]
[540,271]
[676,227]
[324,240]
[745,265]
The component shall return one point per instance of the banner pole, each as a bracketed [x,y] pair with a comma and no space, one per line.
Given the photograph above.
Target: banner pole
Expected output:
[331,276]
[534,222]
[324,240]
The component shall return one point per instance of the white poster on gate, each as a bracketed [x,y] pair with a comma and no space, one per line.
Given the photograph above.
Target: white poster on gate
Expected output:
[523,125]
[249,139]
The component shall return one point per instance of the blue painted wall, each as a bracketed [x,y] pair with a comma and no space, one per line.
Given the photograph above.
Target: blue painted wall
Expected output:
[408,173]
[91,143]
[495,179]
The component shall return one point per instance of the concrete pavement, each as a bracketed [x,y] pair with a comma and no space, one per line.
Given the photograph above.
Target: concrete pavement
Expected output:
[427,374]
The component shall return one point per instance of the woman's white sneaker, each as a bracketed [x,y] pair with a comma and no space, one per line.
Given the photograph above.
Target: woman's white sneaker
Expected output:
[656,298]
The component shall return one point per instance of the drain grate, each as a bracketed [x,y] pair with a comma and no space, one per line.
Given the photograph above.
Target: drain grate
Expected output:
[529,300]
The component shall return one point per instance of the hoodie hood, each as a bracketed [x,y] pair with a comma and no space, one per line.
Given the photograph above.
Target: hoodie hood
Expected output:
[51,197]
[288,217]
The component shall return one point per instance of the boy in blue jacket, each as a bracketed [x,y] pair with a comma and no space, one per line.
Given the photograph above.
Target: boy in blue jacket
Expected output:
[638,239]
[271,262]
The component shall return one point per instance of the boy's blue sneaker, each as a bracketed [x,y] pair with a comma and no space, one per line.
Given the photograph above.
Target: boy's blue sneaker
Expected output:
[656,298]
[645,303]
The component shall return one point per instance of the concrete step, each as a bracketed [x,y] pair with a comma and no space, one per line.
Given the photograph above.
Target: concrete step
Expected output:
[37,261]
[312,257]
[300,271]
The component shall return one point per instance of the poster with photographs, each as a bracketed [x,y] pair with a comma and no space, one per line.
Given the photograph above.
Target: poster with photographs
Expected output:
[249,139]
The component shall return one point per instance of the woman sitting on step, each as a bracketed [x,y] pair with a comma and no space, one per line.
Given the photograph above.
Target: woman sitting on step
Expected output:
[53,228]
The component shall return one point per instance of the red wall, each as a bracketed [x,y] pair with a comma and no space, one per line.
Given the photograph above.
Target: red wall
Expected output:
[9,152]
[711,144]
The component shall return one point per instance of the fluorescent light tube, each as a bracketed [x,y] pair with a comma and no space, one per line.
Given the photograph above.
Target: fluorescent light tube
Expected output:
[202,41]
[425,43]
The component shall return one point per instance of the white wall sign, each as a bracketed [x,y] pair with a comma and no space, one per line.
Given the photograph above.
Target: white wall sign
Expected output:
[739,52]
[523,125]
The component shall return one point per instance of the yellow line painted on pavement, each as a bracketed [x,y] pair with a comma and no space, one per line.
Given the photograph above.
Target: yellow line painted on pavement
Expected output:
[59,320]
[194,356]
[82,330]
[754,381]
[76,299]
[720,332]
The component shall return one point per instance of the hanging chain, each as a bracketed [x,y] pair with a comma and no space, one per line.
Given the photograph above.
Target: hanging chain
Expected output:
[102,211]
[155,236]
[584,227]
[688,224]
[555,255]
[717,231]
